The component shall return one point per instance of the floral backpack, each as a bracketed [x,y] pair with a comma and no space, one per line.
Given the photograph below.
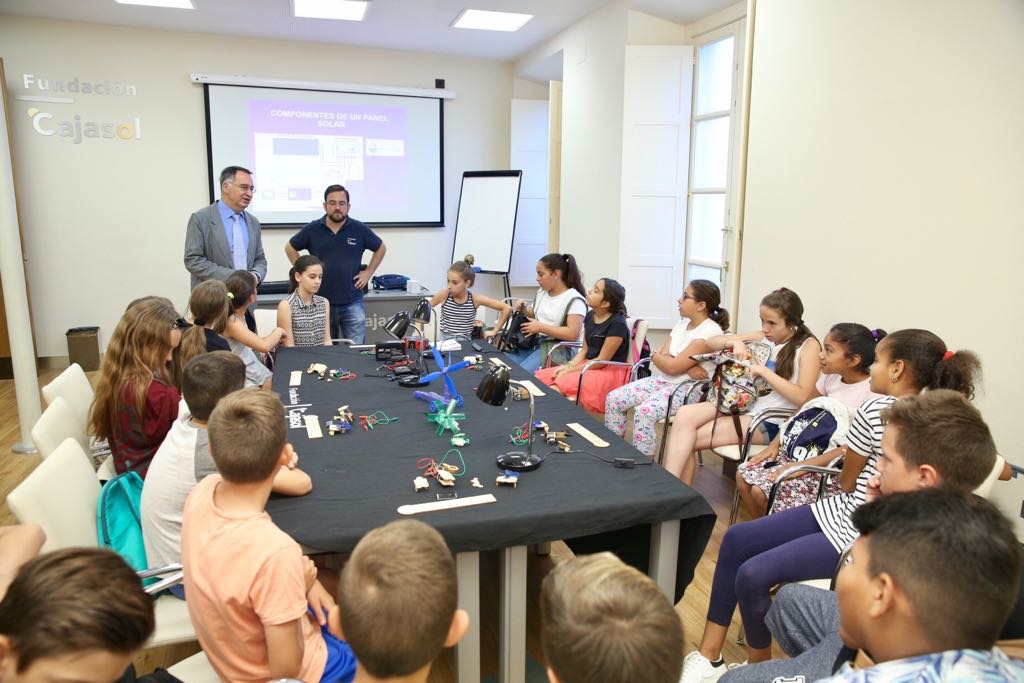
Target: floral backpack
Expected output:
[733,388]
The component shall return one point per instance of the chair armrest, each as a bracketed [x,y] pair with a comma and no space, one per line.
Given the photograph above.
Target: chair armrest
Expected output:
[159,571]
[765,415]
[1015,470]
[560,345]
[756,422]
[636,368]
[596,363]
[163,584]
[175,576]
[826,473]
[839,565]
[592,363]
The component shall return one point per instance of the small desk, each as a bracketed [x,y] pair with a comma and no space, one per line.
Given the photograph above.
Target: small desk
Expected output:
[360,478]
[380,306]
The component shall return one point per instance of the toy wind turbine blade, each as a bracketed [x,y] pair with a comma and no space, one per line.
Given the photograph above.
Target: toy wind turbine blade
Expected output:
[432,376]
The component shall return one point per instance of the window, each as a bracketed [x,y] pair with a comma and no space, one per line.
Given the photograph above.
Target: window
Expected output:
[711,211]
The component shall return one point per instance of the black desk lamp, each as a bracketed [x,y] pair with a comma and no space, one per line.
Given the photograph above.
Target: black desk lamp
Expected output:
[423,313]
[493,390]
[398,325]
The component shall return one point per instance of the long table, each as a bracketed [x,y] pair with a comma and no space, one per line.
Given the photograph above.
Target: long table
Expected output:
[360,479]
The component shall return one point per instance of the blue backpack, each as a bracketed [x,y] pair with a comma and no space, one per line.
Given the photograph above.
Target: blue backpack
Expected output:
[389,281]
[118,520]
[819,426]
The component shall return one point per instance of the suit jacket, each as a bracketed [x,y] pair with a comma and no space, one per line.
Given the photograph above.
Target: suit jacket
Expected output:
[207,254]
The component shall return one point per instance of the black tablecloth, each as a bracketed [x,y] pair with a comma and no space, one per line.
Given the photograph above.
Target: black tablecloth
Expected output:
[361,477]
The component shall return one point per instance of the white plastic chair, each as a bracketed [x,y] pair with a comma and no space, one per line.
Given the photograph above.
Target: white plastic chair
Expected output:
[984,489]
[195,669]
[57,423]
[74,387]
[60,495]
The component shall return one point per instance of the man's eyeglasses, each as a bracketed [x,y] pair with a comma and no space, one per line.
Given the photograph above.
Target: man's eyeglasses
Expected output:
[337,203]
[245,188]
[180,324]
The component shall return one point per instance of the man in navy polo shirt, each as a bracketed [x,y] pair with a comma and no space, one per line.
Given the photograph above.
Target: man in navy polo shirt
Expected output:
[339,241]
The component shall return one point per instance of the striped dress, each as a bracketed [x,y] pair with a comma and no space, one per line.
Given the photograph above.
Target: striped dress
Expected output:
[865,437]
[309,323]
[458,318]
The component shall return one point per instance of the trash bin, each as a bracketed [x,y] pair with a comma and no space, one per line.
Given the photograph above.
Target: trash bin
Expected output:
[84,347]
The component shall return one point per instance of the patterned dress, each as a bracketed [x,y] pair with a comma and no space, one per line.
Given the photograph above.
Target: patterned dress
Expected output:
[309,323]
[804,490]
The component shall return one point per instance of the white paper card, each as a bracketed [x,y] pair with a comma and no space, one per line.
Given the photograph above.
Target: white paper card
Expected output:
[313,427]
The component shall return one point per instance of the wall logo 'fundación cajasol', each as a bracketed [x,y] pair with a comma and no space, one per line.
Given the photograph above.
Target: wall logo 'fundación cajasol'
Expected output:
[74,126]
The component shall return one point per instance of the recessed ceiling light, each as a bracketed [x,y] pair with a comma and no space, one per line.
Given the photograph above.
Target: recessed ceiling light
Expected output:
[174,4]
[487,20]
[344,10]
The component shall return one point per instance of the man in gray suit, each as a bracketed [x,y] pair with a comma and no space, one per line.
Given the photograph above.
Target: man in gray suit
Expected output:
[223,237]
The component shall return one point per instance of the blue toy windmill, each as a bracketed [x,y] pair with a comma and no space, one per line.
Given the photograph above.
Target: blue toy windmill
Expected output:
[450,392]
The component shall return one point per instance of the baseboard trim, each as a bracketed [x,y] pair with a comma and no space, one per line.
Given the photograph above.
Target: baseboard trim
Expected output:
[52,362]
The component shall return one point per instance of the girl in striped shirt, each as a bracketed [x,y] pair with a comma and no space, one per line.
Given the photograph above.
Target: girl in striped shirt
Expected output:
[458,312]
[805,542]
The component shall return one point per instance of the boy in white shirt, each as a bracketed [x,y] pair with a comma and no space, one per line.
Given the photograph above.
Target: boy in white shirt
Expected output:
[184,456]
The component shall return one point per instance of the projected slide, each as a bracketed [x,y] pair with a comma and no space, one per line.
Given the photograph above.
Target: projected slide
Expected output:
[385,149]
[302,149]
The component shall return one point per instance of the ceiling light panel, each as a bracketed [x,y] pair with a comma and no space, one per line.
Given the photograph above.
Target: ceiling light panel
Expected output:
[173,4]
[487,20]
[341,10]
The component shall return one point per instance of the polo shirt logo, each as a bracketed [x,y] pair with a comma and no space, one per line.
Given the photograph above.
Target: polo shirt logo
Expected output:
[351,241]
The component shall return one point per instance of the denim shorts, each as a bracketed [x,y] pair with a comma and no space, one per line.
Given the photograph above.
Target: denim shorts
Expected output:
[768,430]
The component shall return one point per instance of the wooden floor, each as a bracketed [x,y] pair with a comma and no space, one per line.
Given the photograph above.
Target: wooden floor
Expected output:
[692,609]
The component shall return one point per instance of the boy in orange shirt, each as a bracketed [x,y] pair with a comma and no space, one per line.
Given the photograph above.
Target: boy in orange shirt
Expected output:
[250,590]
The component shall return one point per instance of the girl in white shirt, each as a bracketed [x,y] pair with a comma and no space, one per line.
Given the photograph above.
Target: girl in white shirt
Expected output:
[557,312]
[791,371]
[701,318]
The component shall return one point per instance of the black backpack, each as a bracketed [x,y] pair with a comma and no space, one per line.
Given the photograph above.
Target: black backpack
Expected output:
[512,338]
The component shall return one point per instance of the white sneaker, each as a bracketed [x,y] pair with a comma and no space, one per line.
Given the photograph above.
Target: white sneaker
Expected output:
[698,669]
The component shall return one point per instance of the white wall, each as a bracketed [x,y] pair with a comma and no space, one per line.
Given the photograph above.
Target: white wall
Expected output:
[886,165]
[643,29]
[592,71]
[593,67]
[104,220]
[717,20]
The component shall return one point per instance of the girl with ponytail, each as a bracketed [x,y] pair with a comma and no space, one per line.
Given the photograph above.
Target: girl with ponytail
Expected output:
[791,372]
[557,312]
[701,318]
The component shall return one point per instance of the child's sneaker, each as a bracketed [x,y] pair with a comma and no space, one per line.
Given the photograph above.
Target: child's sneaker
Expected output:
[699,669]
